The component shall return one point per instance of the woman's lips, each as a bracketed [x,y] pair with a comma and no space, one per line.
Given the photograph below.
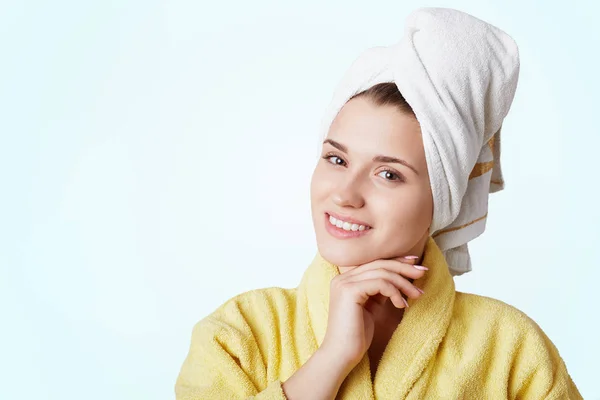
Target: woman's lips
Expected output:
[340,233]
[346,219]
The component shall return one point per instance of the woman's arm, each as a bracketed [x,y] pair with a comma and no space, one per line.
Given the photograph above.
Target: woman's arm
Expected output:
[539,372]
[319,378]
[224,362]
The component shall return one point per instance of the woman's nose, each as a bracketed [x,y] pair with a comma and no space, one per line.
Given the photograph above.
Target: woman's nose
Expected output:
[347,194]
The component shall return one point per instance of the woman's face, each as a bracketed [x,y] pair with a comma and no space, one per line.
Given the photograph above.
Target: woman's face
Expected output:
[358,179]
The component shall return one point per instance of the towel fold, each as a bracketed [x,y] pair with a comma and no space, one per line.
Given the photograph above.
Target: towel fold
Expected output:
[459,74]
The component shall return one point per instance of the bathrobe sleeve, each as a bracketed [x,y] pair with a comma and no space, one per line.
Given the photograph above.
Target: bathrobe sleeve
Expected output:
[539,372]
[224,362]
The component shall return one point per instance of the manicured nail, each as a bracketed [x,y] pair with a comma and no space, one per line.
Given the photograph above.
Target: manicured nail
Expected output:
[422,268]
[422,292]
[405,302]
[411,257]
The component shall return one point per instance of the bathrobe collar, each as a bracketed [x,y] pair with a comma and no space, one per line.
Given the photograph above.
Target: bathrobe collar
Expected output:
[415,340]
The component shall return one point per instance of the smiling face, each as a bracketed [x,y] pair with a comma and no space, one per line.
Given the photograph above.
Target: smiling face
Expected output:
[372,171]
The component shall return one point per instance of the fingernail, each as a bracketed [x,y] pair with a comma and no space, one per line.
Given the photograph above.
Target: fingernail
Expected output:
[419,290]
[405,302]
[422,268]
[411,257]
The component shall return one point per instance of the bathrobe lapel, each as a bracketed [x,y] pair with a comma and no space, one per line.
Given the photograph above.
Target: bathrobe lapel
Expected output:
[415,341]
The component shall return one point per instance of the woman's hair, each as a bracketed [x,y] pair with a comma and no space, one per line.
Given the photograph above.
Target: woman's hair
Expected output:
[384,94]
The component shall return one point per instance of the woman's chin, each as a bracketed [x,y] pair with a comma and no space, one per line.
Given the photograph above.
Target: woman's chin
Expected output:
[342,257]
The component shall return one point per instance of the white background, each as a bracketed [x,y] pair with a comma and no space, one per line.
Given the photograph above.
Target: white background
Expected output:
[155,159]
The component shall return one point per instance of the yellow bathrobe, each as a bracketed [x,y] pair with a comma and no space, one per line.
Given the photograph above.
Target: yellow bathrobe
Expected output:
[449,345]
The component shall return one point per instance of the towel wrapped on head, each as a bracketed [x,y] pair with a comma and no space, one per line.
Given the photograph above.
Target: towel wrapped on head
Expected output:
[459,74]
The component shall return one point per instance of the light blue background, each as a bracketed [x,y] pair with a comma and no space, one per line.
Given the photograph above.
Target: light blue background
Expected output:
[155,160]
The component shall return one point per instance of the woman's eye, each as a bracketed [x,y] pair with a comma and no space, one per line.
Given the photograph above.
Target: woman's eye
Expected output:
[390,176]
[338,160]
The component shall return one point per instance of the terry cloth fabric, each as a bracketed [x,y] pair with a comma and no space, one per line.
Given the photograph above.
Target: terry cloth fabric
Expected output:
[448,345]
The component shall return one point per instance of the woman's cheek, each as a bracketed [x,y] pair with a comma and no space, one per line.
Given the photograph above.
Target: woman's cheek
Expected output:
[415,209]
[320,183]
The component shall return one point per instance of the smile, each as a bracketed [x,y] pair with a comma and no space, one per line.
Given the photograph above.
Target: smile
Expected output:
[347,226]
[344,229]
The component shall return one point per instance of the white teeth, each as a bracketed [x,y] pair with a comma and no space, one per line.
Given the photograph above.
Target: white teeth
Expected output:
[347,226]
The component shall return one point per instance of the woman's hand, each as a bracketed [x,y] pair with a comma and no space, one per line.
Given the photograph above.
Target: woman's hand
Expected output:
[350,325]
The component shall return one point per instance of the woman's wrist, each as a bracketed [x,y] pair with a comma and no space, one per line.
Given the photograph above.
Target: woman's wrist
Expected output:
[319,378]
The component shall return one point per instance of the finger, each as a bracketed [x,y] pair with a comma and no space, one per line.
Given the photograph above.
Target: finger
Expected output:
[371,287]
[379,299]
[404,269]
[412,260]
[403,284]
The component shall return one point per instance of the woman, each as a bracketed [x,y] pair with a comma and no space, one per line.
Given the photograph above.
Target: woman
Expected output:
[410,155]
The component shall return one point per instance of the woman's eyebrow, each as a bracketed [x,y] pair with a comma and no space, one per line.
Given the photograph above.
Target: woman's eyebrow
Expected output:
[380,158]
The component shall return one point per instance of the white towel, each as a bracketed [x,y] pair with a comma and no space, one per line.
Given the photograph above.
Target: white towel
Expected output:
[459,74]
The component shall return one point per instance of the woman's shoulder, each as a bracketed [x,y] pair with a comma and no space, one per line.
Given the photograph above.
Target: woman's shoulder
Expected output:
[258,308]
[493,320]
[488,310]
[504,335]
